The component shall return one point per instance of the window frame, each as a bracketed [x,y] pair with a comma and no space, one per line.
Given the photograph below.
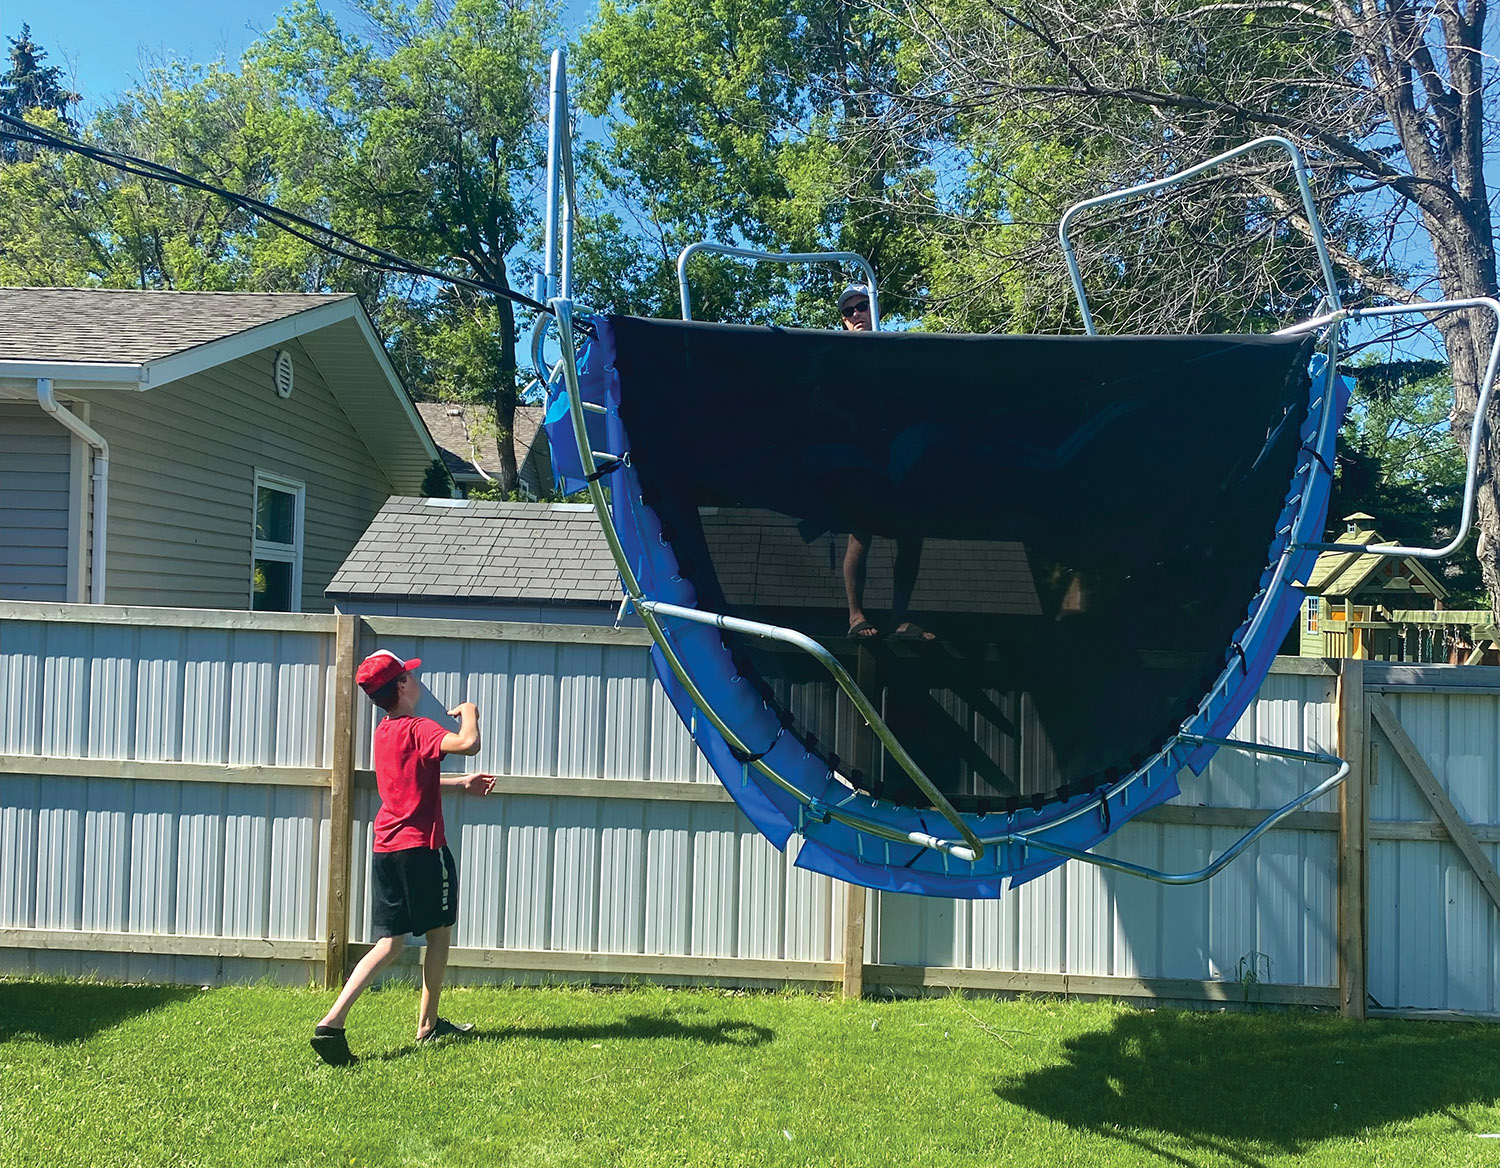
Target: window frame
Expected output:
[1314,615]
[279,552]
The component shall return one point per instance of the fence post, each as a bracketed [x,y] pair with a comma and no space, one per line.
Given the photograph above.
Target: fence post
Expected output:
[340,803]
[856,898]
[854,941]
[1354,825]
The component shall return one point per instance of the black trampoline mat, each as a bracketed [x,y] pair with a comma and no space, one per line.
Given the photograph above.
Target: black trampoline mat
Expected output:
[1087,518]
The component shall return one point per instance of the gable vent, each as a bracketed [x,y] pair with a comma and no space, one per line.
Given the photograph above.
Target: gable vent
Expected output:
[281,373]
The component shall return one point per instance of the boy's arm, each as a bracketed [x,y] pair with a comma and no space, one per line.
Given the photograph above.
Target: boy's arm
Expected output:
[478,783]
[466,740]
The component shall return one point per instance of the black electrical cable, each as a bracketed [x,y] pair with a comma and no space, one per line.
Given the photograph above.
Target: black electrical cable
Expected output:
[308,230]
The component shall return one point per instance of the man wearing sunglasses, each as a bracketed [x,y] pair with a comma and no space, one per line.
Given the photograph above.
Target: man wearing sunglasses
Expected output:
[854,308]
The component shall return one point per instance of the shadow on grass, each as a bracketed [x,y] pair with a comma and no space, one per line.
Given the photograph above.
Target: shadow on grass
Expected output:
[1234,1083]
[639,1026]
[65,1012]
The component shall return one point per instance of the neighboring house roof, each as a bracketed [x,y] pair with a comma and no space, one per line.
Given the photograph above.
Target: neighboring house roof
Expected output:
[1349,573]
[99,338]
[555,553]
[466,435]
[129,326]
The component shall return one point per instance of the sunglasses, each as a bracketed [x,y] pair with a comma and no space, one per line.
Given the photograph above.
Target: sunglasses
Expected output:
[855,308]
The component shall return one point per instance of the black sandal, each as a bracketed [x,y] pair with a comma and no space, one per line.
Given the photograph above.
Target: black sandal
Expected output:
[442,1028]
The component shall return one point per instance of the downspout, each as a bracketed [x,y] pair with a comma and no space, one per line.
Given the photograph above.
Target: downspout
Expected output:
[99,517]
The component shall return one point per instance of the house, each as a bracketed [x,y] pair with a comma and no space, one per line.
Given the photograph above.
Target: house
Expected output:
[194,449]
[1385,608]
[465,434]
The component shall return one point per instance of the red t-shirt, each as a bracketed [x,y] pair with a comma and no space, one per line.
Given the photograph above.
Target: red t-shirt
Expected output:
[408,757]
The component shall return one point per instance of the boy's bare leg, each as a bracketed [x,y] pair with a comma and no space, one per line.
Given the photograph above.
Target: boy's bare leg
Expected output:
[381,954]
[434,966]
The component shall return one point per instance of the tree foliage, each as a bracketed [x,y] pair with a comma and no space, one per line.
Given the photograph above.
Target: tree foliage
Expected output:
[746,122]
[28,87]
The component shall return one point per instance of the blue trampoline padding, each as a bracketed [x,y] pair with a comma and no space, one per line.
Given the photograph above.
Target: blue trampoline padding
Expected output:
[840,851]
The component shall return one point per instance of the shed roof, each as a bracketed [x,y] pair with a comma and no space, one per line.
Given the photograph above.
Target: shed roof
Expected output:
[476,549]
[555,553]
[1338,573]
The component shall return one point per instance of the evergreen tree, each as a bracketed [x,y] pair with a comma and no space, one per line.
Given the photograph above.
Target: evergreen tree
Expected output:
[29,85]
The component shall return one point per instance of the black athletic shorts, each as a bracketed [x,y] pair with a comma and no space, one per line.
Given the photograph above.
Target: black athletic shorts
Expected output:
[413,890]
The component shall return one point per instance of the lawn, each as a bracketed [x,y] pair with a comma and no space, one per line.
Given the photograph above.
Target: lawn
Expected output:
[95,1074]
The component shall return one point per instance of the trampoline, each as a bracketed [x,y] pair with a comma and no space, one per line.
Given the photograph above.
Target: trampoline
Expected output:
[1112,532]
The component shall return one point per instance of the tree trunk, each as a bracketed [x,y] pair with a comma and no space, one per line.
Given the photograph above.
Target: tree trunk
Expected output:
[1437,115]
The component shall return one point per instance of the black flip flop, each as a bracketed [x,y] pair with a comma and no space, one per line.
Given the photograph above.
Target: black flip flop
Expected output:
[332,1046]
[858,631]
[913,632]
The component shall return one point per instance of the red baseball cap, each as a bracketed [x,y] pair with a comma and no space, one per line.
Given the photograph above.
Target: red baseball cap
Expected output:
[381,668]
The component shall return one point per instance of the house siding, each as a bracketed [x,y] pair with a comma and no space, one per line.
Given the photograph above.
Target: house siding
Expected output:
[35,472]
[182,481]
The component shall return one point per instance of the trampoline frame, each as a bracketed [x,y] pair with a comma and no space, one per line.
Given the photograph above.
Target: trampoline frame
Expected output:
[1188,746]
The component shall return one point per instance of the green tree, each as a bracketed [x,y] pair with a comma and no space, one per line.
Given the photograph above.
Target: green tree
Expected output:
[234,128]
[27,87]
[1398,462]
[430,130]
[745,122]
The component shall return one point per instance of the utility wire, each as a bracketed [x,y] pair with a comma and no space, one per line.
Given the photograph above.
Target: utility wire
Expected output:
[308,230]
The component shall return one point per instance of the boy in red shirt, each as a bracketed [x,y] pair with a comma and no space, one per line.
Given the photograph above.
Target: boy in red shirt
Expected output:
[413,880]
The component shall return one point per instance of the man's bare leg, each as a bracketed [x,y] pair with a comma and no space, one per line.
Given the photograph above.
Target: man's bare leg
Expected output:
[904,583]
[856,554]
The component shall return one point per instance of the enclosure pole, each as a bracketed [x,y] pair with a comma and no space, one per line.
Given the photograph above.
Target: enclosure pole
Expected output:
[340,802]
[1354,825]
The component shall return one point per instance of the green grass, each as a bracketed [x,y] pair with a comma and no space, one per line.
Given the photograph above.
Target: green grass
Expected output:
[95,1074]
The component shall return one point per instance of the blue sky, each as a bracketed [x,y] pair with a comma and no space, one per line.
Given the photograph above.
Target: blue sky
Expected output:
[103,45]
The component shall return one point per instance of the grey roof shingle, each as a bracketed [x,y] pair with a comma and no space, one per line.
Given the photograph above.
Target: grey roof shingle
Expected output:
[128,326]
[465,434]
[555,553]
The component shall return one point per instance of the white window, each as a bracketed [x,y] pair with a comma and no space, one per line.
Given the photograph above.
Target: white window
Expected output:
[1314,612]
[276,556]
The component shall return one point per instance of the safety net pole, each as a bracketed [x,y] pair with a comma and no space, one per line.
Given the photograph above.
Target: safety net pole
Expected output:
[1476,435]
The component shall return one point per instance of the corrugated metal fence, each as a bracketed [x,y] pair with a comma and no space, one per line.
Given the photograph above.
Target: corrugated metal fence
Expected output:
[185,796]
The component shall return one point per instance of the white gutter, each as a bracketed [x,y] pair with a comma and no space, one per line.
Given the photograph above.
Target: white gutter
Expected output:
[98,523]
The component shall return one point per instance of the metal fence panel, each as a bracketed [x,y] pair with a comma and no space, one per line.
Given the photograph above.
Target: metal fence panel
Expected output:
[581,874]
[1433,929]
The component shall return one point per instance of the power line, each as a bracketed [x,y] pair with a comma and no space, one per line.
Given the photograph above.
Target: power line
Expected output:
[308,230]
